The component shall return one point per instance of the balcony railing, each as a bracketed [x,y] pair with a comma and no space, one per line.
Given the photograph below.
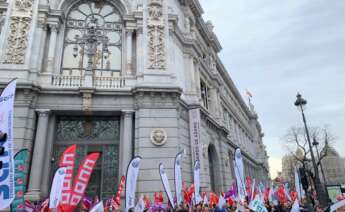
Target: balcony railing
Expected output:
[67,81]
[70,81]
[109,82]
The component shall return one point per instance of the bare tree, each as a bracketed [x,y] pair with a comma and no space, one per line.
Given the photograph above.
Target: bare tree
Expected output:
[297,145]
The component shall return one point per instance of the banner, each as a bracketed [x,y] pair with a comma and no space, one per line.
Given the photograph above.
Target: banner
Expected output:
[166,184]
[239,173]
[257,205]
[337,205]
[82,179]
[194,126]
[178,177]
[140,205]
[20,177]
[298,185]
[295,206]
[56,189]
[67,160]
[197,182]
[131,181]
[6,126]
[116,203]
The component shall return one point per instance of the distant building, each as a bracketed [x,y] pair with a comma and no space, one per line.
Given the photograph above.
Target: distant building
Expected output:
[333,166]
[332,163]
[289,162]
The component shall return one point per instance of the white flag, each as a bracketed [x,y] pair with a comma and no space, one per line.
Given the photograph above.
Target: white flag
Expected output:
[140,205]
[6,126]
[337,205]
[205,200]
[295,206]
[56,190]
[98,207]
[166,184]
[131,182]
[178,177]
[257,205]
[239,173]
[298,185]
[221,201]
[198,198]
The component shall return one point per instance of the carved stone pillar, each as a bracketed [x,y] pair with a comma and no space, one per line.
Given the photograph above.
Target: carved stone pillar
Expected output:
[52,47]
[38,156]
[129,56]
[126,143]
[42,26]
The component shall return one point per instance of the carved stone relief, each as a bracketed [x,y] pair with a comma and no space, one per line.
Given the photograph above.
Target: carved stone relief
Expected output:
[156,35]
[19,28]
[158,137]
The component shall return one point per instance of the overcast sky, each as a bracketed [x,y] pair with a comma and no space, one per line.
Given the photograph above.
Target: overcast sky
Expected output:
[278,48]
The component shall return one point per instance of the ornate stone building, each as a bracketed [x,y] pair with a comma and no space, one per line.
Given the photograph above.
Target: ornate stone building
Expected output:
[120,77]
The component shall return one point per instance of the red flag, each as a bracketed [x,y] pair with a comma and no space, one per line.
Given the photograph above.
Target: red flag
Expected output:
[147,201]
[293,195]
[82,179]
[67,160]
[116,202]
[213,199]
[281,194]
[249,186]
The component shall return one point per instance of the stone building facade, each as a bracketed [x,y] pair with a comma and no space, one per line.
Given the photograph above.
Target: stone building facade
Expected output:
[120,77]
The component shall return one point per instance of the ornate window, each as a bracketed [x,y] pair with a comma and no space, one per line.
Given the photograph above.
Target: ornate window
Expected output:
[107,22]
[205,96]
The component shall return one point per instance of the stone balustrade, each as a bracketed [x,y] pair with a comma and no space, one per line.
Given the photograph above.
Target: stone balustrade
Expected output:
[70,81]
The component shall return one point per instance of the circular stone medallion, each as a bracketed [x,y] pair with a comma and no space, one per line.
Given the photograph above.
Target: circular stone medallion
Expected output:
[158,137]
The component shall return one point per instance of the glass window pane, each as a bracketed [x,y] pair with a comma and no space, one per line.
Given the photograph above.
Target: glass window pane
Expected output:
[71,33]
[69,61]
[114,37]
[112,18]
[107,9]
[77,15]
[114,58]
[85,9]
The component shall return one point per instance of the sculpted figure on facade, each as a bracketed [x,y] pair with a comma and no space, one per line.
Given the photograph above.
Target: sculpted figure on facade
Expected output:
[156,35]
[19,28]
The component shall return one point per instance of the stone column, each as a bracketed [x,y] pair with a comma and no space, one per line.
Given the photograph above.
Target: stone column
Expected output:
[48,156]
[126,143]
[38,155]
[129,56]
[52,47]
[140,52]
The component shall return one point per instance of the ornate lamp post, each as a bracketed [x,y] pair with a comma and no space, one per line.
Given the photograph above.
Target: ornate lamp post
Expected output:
[91,39]
[300,103]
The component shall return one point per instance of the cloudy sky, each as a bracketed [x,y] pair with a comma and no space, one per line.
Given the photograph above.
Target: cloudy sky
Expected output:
[278,48]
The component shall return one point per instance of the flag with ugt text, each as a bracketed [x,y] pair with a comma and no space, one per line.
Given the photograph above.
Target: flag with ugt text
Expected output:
[6,126]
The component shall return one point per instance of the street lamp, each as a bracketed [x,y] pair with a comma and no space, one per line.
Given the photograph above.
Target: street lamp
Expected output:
[300,103]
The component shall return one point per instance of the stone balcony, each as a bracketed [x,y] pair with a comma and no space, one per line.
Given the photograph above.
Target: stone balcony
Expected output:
[69,81]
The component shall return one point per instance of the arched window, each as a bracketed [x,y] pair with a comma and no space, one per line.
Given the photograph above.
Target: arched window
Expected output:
[107,22]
